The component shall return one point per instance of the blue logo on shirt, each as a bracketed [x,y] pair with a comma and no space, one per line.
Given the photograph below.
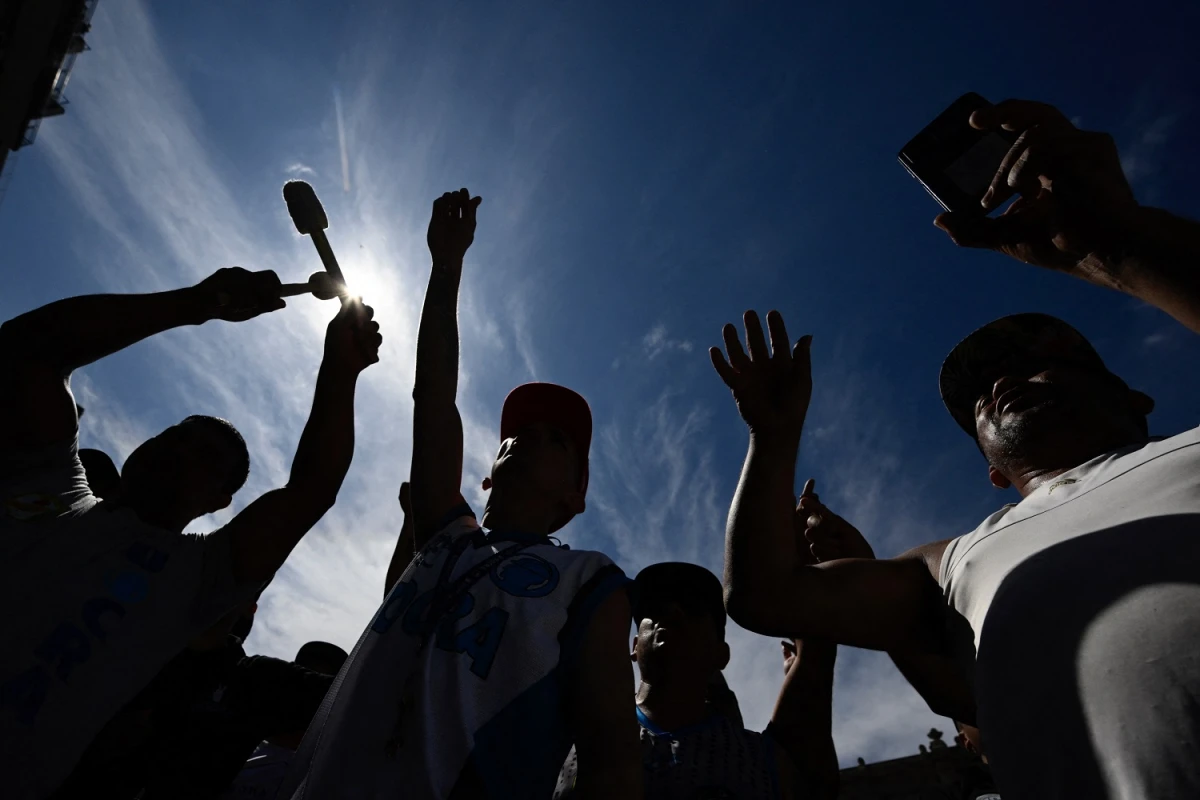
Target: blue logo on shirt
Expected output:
[526,575]
[69,644]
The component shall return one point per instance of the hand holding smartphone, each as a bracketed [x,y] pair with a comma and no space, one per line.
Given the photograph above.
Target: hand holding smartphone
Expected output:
[955,162]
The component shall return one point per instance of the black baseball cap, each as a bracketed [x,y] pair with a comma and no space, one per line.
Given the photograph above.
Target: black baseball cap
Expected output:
[321,657]
[691,586]
[978,361]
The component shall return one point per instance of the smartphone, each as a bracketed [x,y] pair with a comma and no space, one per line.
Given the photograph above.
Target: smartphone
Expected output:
[953,161]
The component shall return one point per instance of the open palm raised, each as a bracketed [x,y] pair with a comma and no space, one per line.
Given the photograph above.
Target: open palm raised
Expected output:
[771,387]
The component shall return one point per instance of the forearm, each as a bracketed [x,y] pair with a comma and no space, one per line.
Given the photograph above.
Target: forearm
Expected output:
[760,548]
[436,470]
[71,333]
[1157,260]
[402,556]
[437,337]
[802,724]
[939,681]
[327,444]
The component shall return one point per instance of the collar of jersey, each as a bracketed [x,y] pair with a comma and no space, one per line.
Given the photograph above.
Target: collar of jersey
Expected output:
[645,722]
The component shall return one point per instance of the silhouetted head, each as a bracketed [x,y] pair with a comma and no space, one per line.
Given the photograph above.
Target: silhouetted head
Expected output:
[102,475]
[679,612]
[321,657]
[1034,394]
[189,470]
[542,465]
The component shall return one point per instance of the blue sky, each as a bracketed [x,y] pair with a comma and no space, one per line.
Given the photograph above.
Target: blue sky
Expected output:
[648,173]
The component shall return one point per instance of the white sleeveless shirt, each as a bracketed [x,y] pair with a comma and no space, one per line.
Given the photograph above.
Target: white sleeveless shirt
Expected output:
[1083,603]
[455,688]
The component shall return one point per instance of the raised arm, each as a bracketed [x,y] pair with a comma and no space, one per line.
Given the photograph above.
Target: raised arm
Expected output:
[40,349]
[1077,214]
[598,699]
[802,723]
[265,532]
[935,675]
[403,554]
[863,603]
[437,455]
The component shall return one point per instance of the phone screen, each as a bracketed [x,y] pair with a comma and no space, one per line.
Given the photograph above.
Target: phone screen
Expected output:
[972,172]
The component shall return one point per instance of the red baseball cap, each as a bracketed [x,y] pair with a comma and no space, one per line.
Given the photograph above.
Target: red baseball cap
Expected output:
[554,405]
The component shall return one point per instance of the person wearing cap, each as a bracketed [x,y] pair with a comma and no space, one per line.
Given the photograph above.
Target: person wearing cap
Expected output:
[266,768]
[497,648]
[688,748]
[1076,609]
[191,730]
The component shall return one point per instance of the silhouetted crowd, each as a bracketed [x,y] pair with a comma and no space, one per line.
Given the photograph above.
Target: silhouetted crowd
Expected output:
[499,663]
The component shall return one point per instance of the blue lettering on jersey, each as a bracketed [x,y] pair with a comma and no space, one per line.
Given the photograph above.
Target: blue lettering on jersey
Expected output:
[480,641]
[68,645]
[395,605]
[526,575]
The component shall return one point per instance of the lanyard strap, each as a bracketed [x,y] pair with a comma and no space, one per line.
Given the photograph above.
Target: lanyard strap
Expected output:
[447,593]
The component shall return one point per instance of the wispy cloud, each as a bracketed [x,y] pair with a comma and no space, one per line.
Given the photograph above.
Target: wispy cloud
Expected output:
[1156,339]
[299,170]
[658,494]
[159,195]
[1142,159]
[656,342]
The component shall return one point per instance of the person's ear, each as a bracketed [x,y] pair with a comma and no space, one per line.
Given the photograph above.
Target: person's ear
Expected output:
[997,478]
[633,650]
[1140,403]
[487,484]
[723,660]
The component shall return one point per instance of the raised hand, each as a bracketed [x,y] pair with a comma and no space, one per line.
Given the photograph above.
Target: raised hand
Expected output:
[824,534]
[452,227]
[405,501]
[772,387]
[352,339]
[1075,207]
[235,294]
[325,287]
[789,654]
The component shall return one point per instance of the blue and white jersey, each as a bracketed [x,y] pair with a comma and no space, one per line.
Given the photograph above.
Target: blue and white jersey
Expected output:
[455,690]
[712,760]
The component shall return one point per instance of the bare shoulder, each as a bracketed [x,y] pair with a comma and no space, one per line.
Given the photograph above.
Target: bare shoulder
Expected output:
[929,555]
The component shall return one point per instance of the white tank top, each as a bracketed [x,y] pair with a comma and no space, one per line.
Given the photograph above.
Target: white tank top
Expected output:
[1083,604]
[455,688]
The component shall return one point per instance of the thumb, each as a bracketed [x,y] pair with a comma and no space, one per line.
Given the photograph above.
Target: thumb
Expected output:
[350,310]
[801,356]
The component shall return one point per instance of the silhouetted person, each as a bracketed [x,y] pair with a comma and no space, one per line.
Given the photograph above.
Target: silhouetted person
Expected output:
[497,648]
[202,718]
[114,590]
[1079,605]
[264,771]
[689,749]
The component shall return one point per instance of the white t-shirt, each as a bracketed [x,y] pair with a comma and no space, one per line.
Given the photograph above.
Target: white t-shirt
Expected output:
[96,602]
[476,712]
[1083,604]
